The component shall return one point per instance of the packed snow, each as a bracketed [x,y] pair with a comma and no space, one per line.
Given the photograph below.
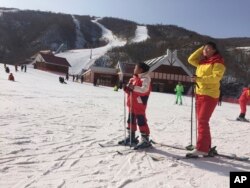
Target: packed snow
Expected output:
[7,10]
[141,34]
[247,48]
[50,133]
[80,41]
[82,59]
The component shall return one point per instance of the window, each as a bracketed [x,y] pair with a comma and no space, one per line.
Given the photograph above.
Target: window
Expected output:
[180,77]
[156,75]
[152,74]
[176,77]
[172,77]
[160,75]
[164,76]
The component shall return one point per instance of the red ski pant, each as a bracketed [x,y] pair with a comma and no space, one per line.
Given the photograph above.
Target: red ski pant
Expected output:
[243,107]
[140,120]
[205,106]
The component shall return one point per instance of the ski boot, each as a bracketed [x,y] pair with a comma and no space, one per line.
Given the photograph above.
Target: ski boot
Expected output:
[144,143]
[212,152]
[242,118]
[196,153]
[126,141]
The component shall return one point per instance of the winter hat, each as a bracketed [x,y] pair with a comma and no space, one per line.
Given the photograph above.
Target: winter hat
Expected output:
[143,66]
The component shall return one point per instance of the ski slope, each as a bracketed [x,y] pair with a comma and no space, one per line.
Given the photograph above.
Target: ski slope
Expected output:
[141,34]
[80,59]
[50,133]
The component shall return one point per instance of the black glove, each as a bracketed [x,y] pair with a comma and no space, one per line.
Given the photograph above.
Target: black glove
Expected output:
[128,88]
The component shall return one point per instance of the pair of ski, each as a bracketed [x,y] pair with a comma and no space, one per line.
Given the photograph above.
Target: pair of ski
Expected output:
[213,152]
[131,149]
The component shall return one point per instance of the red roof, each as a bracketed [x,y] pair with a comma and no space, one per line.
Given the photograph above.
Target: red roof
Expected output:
[51,59]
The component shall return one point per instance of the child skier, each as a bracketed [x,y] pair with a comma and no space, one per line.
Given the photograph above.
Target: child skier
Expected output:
[244,98]
[138,90]
[179,90]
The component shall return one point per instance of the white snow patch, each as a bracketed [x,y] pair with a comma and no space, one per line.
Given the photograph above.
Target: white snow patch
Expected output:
[141,34]
[246,48]
[7,10]
[80,41]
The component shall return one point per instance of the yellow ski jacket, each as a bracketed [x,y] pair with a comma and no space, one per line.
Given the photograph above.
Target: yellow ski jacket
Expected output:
[209,72]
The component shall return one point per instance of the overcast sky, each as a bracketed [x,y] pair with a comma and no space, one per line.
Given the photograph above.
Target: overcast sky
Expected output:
[216,18]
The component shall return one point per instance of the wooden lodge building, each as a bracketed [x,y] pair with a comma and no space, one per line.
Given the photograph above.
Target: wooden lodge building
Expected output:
[166,71]
[101,76]
[48,62]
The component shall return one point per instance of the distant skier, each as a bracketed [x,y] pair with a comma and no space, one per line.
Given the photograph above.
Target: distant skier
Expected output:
[61,80]
[95,82]
[115,88]
[73,77]
[179,89]
[67,76]
[11,77]
[25,68]
[209,71]
[220,98]
[16,68]
[243,100]
[7,69]
[82,79]
[138,90]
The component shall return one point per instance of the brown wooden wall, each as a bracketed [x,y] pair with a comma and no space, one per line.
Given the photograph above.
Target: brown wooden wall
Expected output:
[101,78]
[165,79]
[50,67]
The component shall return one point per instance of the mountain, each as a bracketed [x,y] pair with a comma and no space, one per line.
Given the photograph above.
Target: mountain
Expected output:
[23,33]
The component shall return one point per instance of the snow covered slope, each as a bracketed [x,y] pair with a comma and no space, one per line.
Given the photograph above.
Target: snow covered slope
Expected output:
[50,133]
[80,59]
[141,34]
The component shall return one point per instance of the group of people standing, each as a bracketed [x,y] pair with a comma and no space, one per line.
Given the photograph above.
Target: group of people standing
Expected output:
[210,69]
[23,68]
[11,76]
[76,78]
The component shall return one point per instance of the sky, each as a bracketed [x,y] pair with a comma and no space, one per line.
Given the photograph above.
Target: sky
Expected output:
[216,18]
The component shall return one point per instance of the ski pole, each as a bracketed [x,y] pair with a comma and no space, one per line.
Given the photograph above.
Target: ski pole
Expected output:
[130,136]
[196,132]
[192,107]
[196,119]
[124,113]
[191,147]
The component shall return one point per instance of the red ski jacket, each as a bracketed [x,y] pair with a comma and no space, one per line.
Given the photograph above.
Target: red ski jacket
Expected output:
[137,99]
[245,95]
